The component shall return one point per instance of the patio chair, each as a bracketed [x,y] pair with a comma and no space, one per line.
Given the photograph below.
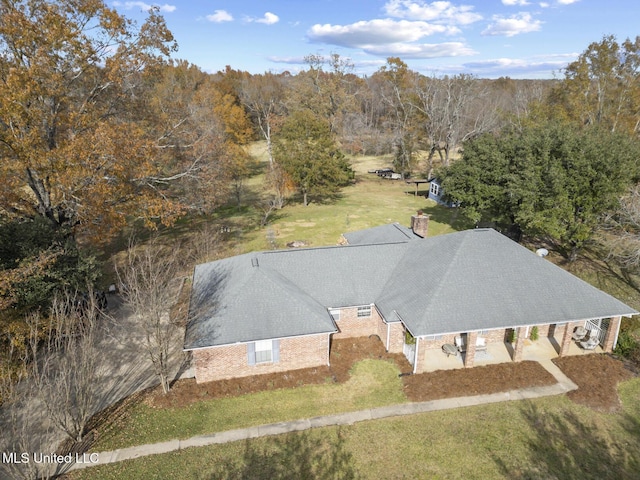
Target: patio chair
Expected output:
[592,342]
[579,334]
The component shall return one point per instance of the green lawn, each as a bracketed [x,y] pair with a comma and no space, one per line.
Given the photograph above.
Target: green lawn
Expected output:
[373,383]
[370,202]
[550,438]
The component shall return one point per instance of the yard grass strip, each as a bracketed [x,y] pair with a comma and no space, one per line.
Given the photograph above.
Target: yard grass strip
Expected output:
[549,437]
[373,383]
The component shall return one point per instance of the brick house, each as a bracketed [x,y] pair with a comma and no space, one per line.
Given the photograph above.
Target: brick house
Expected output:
[274,311]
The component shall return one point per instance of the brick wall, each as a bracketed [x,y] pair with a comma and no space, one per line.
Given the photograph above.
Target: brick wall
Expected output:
[564,334]
[614,325]
[396,337]
[350,325]
[431,344]
[218,363]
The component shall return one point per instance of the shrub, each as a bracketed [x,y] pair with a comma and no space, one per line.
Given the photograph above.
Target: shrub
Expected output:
[627,346]
[534,333]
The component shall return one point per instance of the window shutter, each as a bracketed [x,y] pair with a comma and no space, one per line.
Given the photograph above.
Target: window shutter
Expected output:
[251,353]
[276,351]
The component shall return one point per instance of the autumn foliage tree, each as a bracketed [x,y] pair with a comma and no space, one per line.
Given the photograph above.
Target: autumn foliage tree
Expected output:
[601,87]
[71,151]
[201,132]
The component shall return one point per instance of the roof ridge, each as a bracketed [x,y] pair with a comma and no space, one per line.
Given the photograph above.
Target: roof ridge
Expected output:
[447,273]
[401,229]
[278,277]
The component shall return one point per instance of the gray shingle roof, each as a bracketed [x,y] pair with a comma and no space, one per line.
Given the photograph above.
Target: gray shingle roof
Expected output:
[234,301]
[390,233]
[464,281]
[480,279]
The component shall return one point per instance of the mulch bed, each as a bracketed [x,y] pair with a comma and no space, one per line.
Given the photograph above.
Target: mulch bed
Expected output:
[476,381]
[344,353]
[597,377]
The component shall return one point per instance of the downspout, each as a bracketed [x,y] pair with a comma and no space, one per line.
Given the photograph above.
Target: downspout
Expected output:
[388,333]
[328,349]
[415,356]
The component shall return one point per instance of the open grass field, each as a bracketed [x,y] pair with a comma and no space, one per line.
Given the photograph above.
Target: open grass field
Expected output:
[369,202]
[550,438]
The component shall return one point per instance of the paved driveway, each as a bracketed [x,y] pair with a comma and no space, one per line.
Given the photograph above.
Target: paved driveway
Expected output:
[124,368]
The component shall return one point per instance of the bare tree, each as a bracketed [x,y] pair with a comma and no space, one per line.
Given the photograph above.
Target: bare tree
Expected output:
[150,285]
[65,362]
[18,432]
[264,97]
[624,227]
[24,433]
[48,384]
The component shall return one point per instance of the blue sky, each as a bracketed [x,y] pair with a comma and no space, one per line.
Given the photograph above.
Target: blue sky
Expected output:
[486,38]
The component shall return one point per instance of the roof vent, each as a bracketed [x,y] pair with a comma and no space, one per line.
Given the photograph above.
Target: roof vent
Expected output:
[254,262]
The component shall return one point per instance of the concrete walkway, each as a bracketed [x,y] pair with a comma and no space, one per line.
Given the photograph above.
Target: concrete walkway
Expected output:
[564,385]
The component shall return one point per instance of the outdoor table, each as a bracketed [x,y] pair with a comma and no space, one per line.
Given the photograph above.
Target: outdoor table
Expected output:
[449,349]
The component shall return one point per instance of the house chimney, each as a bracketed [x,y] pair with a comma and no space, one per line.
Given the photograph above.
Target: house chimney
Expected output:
[420,224]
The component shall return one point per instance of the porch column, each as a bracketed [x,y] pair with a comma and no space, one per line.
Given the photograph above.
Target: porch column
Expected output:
[470,354]
[566,339]
[518,348]
[420,359]
[612,332]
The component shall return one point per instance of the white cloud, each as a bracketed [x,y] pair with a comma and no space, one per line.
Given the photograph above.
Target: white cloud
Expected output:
[300,60]
[517,66]
[437,12]
[220,16]
[375,32]
[288,60]
[567,2]
[544,4]
[423,50]
[268,19]
[515,2]
[513,25]
[145,6]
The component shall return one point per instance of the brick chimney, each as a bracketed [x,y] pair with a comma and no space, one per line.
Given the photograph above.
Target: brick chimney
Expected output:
[420,224]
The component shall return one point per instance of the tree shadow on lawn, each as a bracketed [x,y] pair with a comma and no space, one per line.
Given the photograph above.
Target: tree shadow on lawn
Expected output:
[605,274]
[447,215]
[292,456]
[567,446]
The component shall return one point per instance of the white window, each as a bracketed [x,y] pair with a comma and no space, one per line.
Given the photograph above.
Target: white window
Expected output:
[433,337]
[264,351]
[335,313]
[435,189]
[364,311]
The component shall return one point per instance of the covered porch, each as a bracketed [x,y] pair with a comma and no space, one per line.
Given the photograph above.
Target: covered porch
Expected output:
[545,348]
